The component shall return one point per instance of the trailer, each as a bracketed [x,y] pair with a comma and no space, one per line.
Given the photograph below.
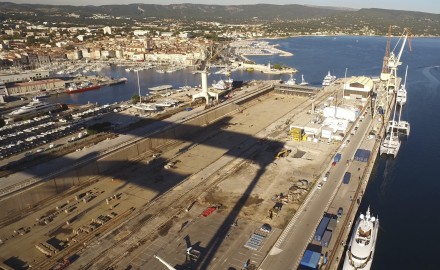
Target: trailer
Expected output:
[325,241]
[332,224]
[321,228]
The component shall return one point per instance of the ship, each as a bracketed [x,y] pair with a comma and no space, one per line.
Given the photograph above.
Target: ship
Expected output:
[119,81]
[390,144]
[84,86]
[290,81]
[401,93]
[150,107]
[361,247]
[223,84]
[328,79]
[167,103]
[33,108]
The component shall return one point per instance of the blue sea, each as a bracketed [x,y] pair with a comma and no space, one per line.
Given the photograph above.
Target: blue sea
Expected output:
[402,191]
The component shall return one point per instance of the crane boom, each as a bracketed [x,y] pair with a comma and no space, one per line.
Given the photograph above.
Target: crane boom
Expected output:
[164,262]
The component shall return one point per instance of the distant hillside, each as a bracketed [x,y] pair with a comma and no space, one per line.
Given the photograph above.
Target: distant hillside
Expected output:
[236,13]
[297,17]
[379,19]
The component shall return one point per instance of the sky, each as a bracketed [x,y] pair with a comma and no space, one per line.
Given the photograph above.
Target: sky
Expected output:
[431,6]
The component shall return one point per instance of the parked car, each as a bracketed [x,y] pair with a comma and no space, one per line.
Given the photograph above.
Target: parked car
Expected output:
[266,228]
[340,211]
[325,178]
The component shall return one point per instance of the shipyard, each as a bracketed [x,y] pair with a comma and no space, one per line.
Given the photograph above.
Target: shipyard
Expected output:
[268,174]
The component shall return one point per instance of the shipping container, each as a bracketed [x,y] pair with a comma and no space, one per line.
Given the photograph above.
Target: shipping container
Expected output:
[337,157]
[332,224]
[362,155]
[325,241]
[346,178]
[310,260]
[321,228]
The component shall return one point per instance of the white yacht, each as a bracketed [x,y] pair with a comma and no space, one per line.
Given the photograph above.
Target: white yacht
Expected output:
[291,80]
[390,144]
[35,107]
[328,79]
[150,107]
[401,93]
[223,84]
[401,96]
[303,82]
[166,103]
[360,250]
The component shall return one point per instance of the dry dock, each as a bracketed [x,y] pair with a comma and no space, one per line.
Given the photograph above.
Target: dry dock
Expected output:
[125,205]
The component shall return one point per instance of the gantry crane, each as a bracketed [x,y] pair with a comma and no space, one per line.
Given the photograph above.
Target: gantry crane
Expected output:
[388,76]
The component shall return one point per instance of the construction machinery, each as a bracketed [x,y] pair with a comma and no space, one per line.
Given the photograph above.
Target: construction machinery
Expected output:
[283,153]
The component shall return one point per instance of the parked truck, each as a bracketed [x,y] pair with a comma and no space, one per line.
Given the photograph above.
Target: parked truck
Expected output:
[321,228]
[346,178]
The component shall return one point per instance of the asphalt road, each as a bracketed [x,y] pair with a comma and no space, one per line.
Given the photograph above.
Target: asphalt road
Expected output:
[288,250]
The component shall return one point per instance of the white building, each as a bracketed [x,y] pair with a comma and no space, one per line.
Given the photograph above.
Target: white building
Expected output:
[358,87]
[107,30]
[140,32]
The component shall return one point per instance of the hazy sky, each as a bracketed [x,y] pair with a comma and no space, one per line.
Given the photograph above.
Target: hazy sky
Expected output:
[431,6]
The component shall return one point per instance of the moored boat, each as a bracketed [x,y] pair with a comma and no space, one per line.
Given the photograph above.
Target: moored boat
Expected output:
[362,244]
[85,86]
[328,79]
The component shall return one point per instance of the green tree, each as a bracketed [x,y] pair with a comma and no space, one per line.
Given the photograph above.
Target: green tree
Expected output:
[135,99]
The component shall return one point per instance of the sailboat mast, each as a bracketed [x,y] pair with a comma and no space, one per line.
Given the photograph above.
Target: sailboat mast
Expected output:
[139,87]
[406,74]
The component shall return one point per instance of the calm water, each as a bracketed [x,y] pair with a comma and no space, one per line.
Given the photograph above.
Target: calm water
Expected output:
[403,192]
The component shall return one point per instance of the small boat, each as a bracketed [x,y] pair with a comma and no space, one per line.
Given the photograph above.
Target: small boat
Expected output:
[303,82]
[119,81]
[290,81]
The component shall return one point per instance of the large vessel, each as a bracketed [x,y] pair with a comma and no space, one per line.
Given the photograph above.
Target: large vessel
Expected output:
[166,103]
[401,93]
[84,86]
[390,144]
[150,107]
[360,250]
[223,84]
[328,79]
[35,107]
